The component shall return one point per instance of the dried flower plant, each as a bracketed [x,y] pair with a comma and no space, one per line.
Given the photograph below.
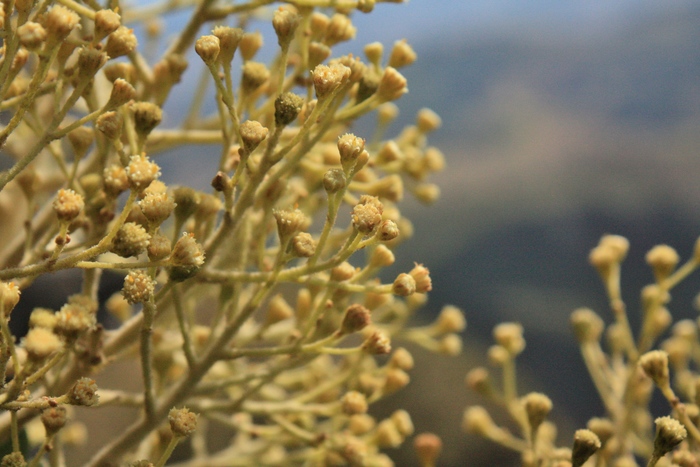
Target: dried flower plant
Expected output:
[246,306]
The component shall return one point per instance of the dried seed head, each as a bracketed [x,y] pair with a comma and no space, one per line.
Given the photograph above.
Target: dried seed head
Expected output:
[208,48]
[353,403]
[31,35]
[229,38]
[586,443]
[9,296]
[131,240]
[587,325]
[147,116]
[68,205]
[84,392]
[287,108]
[40,343]
[404,285]
[106,22]
[182,421]
[121,42]
[141,172]
[356,318]
[252,134]
[138,287]
[54,418]
[402,54]
[328,79]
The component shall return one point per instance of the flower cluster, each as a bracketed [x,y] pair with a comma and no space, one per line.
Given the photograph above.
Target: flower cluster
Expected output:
[256,304]
[625,370]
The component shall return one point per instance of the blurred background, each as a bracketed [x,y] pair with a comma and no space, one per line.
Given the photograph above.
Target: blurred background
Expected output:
[562,121]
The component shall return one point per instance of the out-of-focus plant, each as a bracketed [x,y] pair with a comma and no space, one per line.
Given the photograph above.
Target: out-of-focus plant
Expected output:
[256,305]
[624,376]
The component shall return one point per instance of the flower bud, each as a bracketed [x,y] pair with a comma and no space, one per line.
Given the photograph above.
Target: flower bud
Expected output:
[59,22]
[377,343]
[84,392]
[9,296]
[131,240]
[655,366]
[254,76]
[422,277]
[122,92]
[40,343]
[663,259]
[285,23]
[229,38]
[356,318]
[252,134]
[287,108]
[476,420]
[157,207]
[303,245]
[587,325]
[339,29]
[208,48]
[328,79]
[106,22]
[404,285]
[392,85]
[586,443]
[289,223]
[510,337]
[110,124]
[366,217]
[537,407]
[53,419]
[353,403]
[249,45]
[138,287]
[159,247]
[451,319]
[147,116]
[187,257]
[182,422]
[141,172]
[402,54]
[68,205]
[121,42]
[428,447]
[31,35]
[318,53]
[334,180]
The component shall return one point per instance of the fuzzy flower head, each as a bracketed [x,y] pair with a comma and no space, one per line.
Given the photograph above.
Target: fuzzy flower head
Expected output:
[182,421]
[186,258]
[84,392]
[9,296]
[141,171]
